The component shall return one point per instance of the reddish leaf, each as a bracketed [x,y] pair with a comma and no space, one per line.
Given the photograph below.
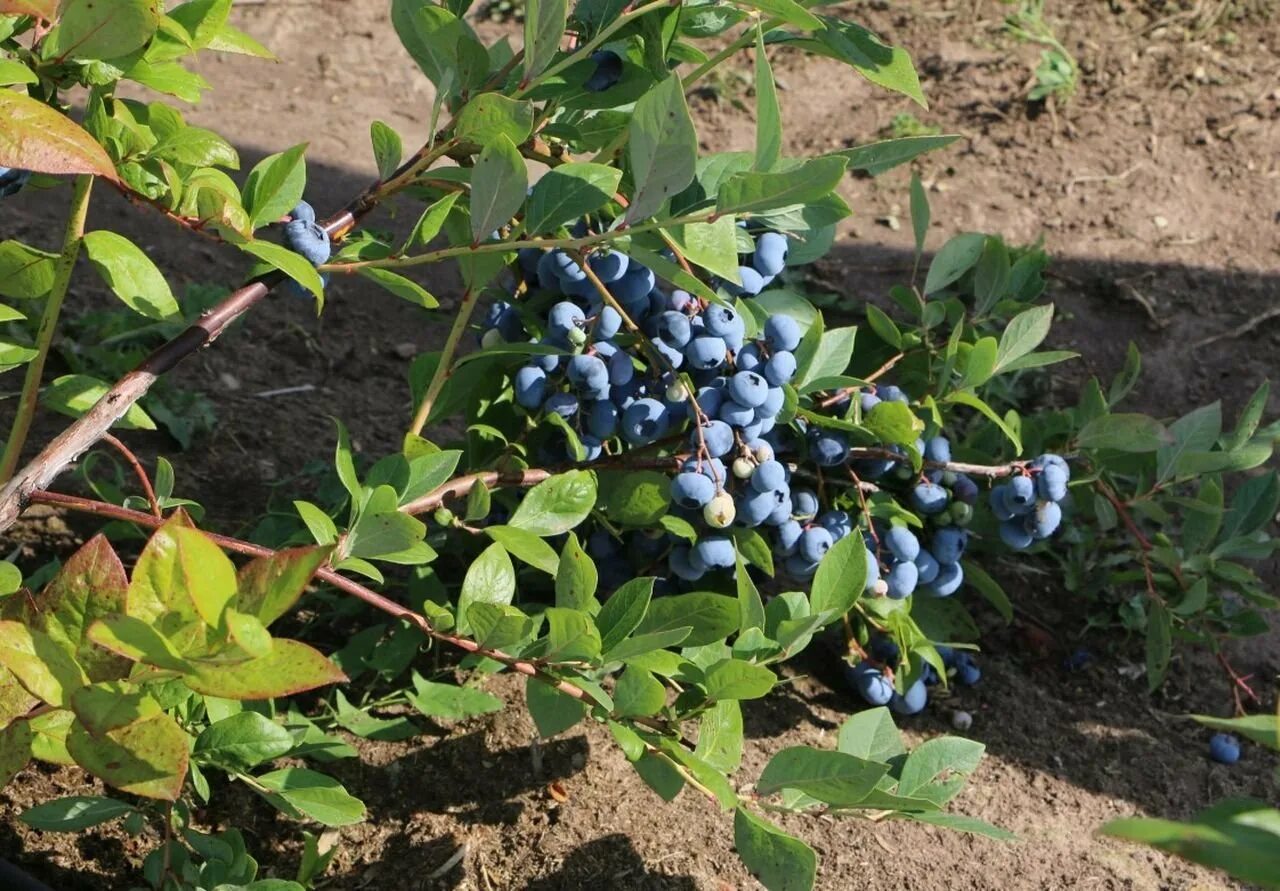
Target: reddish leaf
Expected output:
[41,665]
[269,586]
[45,9]
[15,701]
[15,750]
[147,758]
[89,586]
[291,667]
[39,138]
[103,708]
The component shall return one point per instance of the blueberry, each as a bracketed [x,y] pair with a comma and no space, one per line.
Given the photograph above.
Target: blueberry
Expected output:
[748,388]
[673,328]
[709,399]
[772,404]
[1045,521]
[890,393]
[1077,660]
[303,211]
[948,544]
[308,239]
[706,352]
[716,552]
[679,563]
[563,404]
[814,543]
[769,476]
[1051,484]
[635,283]
[673,356]
[564,268]
[530,387]
[752,283]
[902,580]
[782,333]
[999,500]
[592,446]
[913,701]
[884,650]
[644,421]
[770,257]
[734,413]
[828,448]
[780,368]
[927,567]
[722,320]
[871,683]
[804,504]
[902,543]
[929,498]
[608,323]
[1015,534]
[837,522]
[964,489]
[749,359]
[718,437]
[788,537]
[563,317]
[621,369]
[1224,748]
[692,491]
[938,450]
[950,577]
[967,671]
[608,266]
[1022,494]
[602,419]
[608,71]
[588,370]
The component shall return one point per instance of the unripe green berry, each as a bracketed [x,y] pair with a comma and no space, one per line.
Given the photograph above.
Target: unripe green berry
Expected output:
[677,392]
[880,588]
[743,468]
[961,513]
[444,516]
[492,338]
[949,478]
[577,336]
[720,510]
[903,472]
[764,452]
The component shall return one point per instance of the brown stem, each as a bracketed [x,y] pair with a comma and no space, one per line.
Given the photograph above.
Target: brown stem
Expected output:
[1144,544]
[1239,683]
[846,392]
[138,470]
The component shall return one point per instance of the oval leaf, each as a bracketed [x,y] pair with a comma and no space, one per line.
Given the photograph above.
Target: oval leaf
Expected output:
[38,138]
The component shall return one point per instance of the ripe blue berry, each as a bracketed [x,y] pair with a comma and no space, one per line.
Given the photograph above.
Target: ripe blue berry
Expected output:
[1022,494]
[748,388]
[608,266]
[913,701]
[303,211]
[871,683]
[964,489]
[1051,484]
[752,283]
[782,332]
[780,368]
[563,404]
[721,320]
[530,387]
[692,491]
[814,543]
[828,447]
[679,563]
[608,323]
[588,370]
[948,544]
[563,317]
[789,537]
[706,352]
[770,257]
[607,73]
[673,328]
[308,239]
[602,419]
[635,284]
[1015,534]
[938,449]
[769,476]
[1224,748]
[1045,520]
[928,567]
[902,543]
[950,577]
[718,438]
[929,498]
[749,359]
[716,552]
[902,580]
[644,421]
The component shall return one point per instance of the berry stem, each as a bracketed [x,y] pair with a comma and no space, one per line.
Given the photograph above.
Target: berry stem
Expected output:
[138,470]
[444,368]
[30,396]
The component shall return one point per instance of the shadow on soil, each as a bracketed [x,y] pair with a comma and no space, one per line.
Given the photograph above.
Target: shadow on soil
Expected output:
[1090,728]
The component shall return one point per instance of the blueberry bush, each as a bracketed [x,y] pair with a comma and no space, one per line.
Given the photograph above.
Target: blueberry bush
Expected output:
[643,471]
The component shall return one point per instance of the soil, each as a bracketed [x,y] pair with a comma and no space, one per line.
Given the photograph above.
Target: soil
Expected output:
[1157,191]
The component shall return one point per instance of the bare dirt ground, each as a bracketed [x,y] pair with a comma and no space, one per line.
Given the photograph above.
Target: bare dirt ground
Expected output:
[1157,190]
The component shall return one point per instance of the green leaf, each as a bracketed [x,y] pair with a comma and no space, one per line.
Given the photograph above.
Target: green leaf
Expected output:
[831,356]
[920,217]
[26,272]
[111,705]
[39,663]
[275,186]
[934,758]
[431,221]
[841,578]
[388,149]
[1124,432]
[295,266]
[958,256]
[779,861]
[490,115]
[753,193]
[74,813]
[306,794]
[497,625]
[576,576]
[181,570]
[659,774]
[1262,729]
[893,422]
[14,72]
[449,701]
[291,667]
[638,693]
[90,29]
[877,157]
[871,735]
[713,246]
[964,397]
[75,394]
[146,758]
[318,523]
[663,148]
[242,741]
[571,636]
[836,778]
[1026,331]
[197,147]
[768,114]
[712,617]
[623,612]
[544,23]
[883,65]
[750,606]
[1159,644]
[720,736]
[735,679]
[568,192]
[267,587]
[962,823]
[443,45]
[90,585]
[638,499]
[527,546]
[137,640]
[556,505]
[390,536]
[498,186]
[37,137]
[553,711]
[15,749]
[490,579]
[989,588]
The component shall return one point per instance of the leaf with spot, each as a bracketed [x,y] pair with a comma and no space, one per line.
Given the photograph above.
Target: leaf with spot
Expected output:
[663,148]
[291,667]
[146,758]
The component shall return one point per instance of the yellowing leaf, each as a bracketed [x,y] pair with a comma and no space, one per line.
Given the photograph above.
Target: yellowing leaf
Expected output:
[39,138]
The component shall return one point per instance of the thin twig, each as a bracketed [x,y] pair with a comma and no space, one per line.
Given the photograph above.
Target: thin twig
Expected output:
[139,471]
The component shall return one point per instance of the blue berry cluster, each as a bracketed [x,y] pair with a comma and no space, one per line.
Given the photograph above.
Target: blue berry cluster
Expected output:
[872,677]
[12,180]
[1028,506]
